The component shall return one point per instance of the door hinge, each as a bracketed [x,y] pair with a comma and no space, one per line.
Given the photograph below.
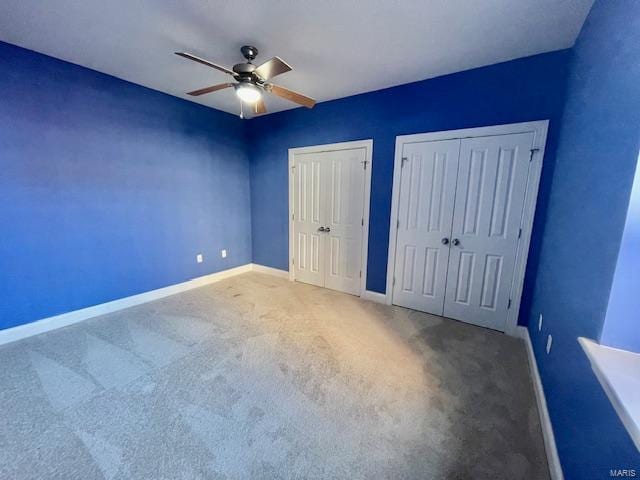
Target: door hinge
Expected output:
[509,304]
[398,224]
[519,233]
[404,159]
[293,216]
[362,222]
[360,273]
[531,152]
[293,261]
[364,163]
[394,282]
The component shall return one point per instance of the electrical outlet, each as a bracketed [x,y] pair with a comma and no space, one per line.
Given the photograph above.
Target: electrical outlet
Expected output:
[540,323]
[199,258]
[549,341]
[223,253]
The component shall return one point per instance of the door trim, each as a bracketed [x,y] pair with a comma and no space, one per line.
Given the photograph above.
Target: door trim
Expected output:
[539,128]
[332,147]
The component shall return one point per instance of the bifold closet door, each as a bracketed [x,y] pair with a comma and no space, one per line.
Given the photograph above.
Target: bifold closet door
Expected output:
[425,212]
[308,215]
[490,194]
[328,212]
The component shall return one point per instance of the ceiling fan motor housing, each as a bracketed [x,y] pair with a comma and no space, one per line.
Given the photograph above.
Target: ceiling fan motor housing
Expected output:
[244,68]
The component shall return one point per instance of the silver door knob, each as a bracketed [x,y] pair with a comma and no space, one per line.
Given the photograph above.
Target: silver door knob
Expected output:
[321,229]
[455,241]
[445,241]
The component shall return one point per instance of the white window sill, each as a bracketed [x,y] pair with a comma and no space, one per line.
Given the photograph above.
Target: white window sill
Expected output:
[619,374]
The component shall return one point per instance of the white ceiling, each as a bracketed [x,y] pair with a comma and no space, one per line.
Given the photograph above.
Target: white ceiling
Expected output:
[337,48]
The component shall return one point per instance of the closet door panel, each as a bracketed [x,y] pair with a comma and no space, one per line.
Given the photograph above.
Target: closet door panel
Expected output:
[425,212]
[490,193]
[309,218]
[344,206]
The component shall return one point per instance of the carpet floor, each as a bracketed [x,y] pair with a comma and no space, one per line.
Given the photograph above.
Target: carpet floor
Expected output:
[257,377]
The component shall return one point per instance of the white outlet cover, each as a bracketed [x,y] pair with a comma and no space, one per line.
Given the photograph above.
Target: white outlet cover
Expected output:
[540,323]
[199,258]
[549,341]
[223,253]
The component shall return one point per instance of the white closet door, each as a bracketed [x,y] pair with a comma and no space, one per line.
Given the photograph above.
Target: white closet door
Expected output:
[308,217]
[344,197]
[490,194]
[427,193]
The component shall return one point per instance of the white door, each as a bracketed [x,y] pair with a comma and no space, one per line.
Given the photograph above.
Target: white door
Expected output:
[427,193]
[489,200]
[308,213]
[345,218]
[328,212]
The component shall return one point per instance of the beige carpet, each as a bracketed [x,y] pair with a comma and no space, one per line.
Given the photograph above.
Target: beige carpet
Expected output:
[257,377]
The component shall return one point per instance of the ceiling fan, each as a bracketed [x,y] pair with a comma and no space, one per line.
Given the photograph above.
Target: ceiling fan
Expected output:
[251,81]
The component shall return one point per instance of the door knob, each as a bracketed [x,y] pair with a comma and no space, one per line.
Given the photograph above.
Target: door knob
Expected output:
[321,229]
[327,229]
[455,241]
[445,241]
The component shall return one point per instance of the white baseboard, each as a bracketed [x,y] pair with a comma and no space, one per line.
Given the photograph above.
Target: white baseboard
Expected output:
[58,321]
[555,469]
[269,270]
[374,297]
[52,323]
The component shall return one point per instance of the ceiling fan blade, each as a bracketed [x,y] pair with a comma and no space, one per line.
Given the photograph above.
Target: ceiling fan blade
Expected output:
[259,107]
[213,88]
[271,68]
[292,96]
[205,62]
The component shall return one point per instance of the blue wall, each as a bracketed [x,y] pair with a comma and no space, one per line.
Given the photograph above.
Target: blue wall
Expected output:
[595,163]
[520,90]
[622,322]
[108,189]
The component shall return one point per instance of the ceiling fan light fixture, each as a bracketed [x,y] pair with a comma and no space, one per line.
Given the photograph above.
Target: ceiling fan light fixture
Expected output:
[248,93]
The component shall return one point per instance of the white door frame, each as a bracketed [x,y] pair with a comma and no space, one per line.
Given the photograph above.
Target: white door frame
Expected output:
[332,147]
[539,128]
